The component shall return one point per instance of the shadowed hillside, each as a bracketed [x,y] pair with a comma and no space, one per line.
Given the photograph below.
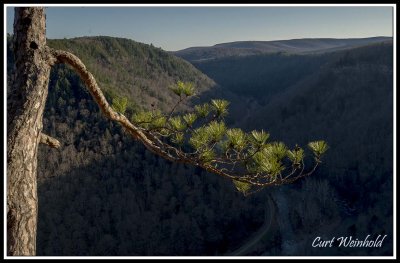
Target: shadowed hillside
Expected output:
[104,194]
[349,103]
[347,100]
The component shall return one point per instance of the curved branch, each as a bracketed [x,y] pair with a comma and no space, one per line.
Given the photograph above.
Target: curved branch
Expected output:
[151,142]
[91,84]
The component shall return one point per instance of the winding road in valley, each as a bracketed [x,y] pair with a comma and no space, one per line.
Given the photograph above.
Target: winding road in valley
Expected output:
[269,214]
[289,246]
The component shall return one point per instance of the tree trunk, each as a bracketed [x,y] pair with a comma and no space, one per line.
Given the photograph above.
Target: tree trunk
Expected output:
[26,103]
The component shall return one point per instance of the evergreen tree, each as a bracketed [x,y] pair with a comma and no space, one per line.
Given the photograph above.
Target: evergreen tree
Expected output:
[199,137]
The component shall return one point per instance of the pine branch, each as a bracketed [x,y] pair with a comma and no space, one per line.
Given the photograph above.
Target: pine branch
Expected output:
[254,150]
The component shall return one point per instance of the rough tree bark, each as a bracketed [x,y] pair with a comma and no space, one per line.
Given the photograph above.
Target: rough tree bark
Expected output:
[26,103]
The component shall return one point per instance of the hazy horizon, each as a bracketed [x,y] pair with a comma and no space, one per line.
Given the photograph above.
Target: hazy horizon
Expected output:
[232,41]
[178,27]
[273,40]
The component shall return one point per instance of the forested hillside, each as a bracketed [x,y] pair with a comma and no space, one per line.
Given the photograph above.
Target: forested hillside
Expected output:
[345,98]
[349,103]
[102,193]
[138,71]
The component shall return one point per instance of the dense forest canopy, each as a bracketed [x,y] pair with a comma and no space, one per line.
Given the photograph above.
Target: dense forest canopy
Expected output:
[104,194]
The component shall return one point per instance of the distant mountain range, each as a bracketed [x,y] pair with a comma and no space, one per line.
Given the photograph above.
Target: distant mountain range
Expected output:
[292,46]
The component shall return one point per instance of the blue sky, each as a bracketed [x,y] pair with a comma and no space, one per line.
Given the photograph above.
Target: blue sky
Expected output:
[174,28]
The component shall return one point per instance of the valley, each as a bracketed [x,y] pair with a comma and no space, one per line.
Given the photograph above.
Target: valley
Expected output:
[103,194]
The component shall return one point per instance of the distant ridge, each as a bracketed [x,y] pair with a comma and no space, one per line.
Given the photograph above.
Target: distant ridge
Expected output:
[292,46]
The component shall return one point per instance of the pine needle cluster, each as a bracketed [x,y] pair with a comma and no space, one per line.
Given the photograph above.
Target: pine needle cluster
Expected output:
[201,137]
